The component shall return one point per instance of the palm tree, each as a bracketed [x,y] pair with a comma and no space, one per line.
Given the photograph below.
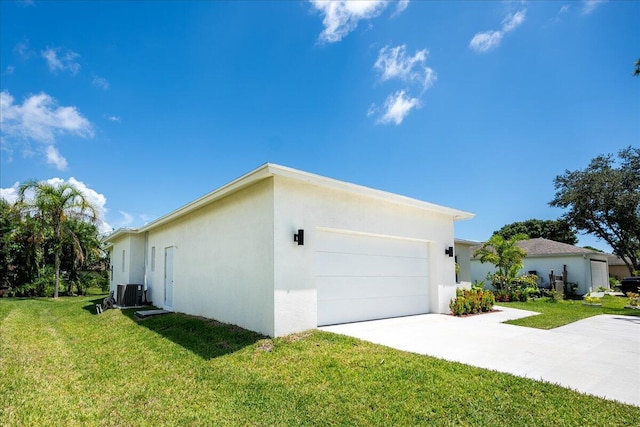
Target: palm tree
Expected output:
[506,255]
[54,206]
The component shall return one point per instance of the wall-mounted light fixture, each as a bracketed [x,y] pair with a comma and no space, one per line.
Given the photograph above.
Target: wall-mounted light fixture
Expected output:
[449,251]
[299,237]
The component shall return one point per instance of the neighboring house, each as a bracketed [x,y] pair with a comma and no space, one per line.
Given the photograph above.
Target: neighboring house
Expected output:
[617,267]
[280,251]
[587,268]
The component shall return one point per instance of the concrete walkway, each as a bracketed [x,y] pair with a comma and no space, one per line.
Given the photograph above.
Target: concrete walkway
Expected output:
[599,355]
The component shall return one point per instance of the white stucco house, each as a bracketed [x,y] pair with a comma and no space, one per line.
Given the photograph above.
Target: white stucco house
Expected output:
[279,251]
[587,268]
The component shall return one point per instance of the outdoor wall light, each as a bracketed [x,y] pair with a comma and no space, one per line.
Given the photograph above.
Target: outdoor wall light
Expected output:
[299,237]
[449,251]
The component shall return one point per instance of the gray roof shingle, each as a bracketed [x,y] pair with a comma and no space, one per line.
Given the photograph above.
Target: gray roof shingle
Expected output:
[546,247]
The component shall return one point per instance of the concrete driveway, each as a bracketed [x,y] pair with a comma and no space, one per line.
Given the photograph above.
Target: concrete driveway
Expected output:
[599,355]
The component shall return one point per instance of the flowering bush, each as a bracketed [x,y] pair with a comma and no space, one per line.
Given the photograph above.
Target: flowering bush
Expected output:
[471,301]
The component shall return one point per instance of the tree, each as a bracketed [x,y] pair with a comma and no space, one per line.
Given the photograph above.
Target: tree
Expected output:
[53,206]
[506,255]
[557,230]
[604,200]
[636,72]
[9,220]
[81,252]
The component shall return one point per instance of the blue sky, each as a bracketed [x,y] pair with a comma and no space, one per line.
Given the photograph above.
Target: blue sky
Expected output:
[474,105]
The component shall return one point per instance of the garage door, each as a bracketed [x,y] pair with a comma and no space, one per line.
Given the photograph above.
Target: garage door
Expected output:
[362,277]
[599,274]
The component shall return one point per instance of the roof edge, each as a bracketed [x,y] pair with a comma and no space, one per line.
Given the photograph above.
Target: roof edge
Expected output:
[270,169]
[366,191]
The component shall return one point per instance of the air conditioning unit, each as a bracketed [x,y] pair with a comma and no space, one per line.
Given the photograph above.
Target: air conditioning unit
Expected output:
[129,295]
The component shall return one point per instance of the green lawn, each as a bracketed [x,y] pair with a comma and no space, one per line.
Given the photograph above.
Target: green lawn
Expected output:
[559,313]
[62,365]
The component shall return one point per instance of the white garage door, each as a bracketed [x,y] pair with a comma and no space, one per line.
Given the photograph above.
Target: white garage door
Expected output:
[361,277]
[599,274]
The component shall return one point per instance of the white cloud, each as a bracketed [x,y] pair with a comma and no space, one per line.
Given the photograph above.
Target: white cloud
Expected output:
[40,118]
[511,22]
[100,82]
[590,5]
[127,219]
[397,106]
[9,70]
[55,158]
[400,7]
[484,41]
[393,63]
[113,118]
[563,9]
[341,17]
[22,49]
[64,62]
[98,200]
[10,194]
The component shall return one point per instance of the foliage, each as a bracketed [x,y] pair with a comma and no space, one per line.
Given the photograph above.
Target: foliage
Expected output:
[506,255]
[554,296]
[181,370]
[28,249]
[504,295]
[634,299]
[555,313]
[571,291]
[636,72]
[477,285]
[591,248]
[516,289]
[604,200]
[592,300]
[55,207]
[471,301]
[557,230]
[613,282]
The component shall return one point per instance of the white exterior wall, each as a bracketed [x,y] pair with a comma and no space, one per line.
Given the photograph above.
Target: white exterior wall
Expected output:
[298,205]
[133,271]
[578,269]
[223,260]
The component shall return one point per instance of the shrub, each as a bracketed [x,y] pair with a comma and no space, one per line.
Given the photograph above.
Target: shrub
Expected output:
[471,301]
[511,295]
[634,299]
[477,285]
[554,296]
[571,290]
[592,300]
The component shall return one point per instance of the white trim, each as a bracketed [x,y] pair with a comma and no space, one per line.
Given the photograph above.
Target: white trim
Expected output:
[269,170]
[362,233]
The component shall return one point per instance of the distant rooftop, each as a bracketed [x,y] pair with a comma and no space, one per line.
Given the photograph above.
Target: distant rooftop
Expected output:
[546,247]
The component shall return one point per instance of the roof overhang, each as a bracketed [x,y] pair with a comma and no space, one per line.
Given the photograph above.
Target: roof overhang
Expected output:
[270,170]
[120,232]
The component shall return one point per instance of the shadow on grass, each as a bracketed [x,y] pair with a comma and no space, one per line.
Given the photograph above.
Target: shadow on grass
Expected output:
[90,306]
[204,337]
